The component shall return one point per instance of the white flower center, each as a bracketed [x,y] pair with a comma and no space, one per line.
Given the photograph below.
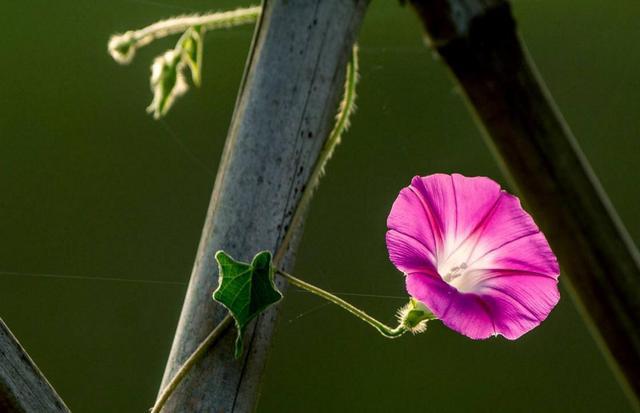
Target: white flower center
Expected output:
[458,265]
[455,272]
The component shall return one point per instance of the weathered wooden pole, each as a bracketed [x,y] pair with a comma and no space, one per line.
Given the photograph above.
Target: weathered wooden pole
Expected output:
[23,388]
[285,110]
[478,41]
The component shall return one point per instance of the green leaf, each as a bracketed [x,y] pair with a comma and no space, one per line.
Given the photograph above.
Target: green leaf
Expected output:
[167,82]
[191,45]
[245,290]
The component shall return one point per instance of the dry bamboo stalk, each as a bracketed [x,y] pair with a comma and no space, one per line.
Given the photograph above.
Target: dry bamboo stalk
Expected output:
[284,113]
[23,388]
[478,41]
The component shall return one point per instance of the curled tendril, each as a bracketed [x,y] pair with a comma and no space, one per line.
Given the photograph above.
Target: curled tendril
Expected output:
[168,78]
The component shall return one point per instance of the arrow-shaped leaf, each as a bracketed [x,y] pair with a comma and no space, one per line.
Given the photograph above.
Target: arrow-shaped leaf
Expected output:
[245,290]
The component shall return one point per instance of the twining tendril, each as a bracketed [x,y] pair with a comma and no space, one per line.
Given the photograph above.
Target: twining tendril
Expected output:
[168,79]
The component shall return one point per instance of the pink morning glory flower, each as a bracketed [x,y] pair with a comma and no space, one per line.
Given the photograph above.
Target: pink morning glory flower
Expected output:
[472,255]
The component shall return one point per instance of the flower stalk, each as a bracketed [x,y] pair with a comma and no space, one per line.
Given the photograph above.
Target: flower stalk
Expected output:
[385,330]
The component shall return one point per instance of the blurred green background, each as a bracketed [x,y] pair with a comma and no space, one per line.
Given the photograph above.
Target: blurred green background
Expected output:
[91,186]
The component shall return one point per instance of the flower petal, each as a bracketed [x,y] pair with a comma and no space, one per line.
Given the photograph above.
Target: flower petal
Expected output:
[519,302]
[529,254]
[464,313]
[410,216]
[510,304]
[408,254]
[459,204]
[511,240]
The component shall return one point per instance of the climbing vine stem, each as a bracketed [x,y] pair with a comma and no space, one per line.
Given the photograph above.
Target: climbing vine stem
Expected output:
[346,109]
[168,82]
[190,362]
[343,120]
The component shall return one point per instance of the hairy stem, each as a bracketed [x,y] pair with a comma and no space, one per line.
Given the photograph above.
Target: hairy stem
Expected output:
[347,107]
[122,47]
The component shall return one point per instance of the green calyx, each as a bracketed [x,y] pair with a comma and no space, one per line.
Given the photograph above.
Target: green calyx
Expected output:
[414,316]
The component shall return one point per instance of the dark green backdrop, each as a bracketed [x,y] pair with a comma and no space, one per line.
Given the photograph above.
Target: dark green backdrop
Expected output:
[91,186]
